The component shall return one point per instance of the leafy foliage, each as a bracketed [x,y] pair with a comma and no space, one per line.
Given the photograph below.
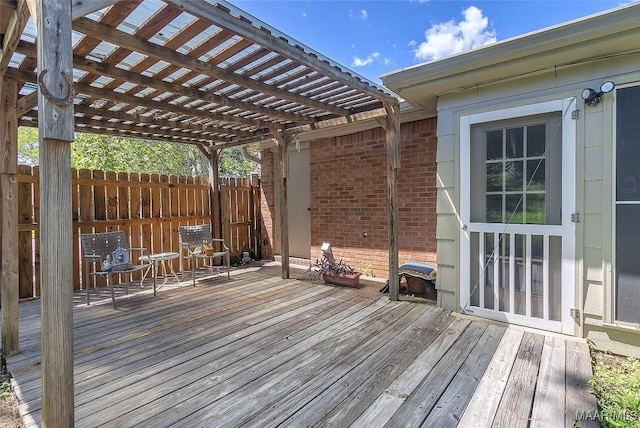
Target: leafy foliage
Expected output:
[117,154]
[5,385]
[616,384]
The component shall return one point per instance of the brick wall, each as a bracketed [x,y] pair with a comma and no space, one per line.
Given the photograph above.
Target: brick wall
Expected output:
[349,197]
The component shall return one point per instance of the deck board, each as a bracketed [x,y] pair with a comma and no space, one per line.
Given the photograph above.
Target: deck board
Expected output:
[451,405]
[419,404]
[260,351]
[516,402]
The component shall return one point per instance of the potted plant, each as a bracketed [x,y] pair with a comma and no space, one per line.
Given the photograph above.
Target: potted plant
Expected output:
[332,272]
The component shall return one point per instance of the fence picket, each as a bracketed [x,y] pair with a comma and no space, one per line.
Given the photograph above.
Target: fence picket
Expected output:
[36,219]
[25,237]
[75,215]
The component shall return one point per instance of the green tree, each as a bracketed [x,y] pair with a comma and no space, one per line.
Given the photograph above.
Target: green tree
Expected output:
[118,154]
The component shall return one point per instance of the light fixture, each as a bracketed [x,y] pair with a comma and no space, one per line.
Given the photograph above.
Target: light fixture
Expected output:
[326,251]
[592,98]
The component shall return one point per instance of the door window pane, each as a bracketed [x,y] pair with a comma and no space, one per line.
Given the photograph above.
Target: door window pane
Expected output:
[513,208]
[515,141]
[494,208]
[494,145]
[535,175]
[536,211]
[494,177]
[536,140]
[513,175]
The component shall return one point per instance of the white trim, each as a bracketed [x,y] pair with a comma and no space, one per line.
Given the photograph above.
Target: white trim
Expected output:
[566,230]
[568,207]
[545,277]
[528,274]
[465,210]
[537,323]
[497,267]
[520,229]
[515,112]
[481,256]
[512,273]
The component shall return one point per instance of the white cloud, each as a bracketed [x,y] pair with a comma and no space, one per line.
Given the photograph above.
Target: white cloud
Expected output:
[362,16]
[359,62]
[304,14]
[451,37]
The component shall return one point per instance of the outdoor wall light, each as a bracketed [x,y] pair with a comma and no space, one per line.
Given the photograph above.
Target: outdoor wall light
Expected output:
[592,98]
[326,251]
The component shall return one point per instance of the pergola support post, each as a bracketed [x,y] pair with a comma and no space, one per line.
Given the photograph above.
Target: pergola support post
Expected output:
[393,164]
[214,182]
[9,216]
[283,151]
[56,126]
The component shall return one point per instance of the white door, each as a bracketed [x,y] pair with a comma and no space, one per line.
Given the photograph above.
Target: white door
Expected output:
[299,202]
[517,200]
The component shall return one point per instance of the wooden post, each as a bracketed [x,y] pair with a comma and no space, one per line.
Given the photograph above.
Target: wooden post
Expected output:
[9,215]
[393,164]
[214,182]
[283,147]
[55,110]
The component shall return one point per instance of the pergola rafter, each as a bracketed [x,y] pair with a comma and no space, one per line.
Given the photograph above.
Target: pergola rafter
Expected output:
[191,71]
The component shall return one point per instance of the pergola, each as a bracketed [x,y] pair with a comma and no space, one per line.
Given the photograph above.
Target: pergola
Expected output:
[186,71]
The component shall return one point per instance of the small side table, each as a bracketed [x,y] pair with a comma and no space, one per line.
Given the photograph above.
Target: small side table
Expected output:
[153,259]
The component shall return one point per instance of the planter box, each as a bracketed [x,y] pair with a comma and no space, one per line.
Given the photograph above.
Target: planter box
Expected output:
[344,280]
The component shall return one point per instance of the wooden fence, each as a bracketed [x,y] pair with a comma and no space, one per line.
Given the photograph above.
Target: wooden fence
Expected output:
[148,208]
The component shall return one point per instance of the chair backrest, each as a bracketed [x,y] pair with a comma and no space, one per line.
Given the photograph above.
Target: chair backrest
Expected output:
[111,246]
[103,244]
[195,235]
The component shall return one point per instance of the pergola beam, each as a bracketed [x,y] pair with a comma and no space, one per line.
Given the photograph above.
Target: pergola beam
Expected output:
[153,120]
[104,32]
[330,123]
[12,35]
[30,76]
[26,104]
[81,8]
[118,133]
[221,17]
[167,133]
[104,69]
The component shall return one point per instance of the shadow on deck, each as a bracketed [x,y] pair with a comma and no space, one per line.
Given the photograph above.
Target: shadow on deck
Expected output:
[258,350]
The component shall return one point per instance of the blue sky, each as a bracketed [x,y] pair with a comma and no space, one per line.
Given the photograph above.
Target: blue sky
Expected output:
[375,37]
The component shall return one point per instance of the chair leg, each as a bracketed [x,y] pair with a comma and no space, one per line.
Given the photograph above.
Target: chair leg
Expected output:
[228,266]
[193,271]
[113,295]
[86,280]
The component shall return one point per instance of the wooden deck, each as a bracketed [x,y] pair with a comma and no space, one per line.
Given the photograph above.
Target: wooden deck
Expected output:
[260,351]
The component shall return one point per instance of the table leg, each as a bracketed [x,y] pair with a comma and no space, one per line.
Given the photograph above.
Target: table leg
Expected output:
[155,275]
